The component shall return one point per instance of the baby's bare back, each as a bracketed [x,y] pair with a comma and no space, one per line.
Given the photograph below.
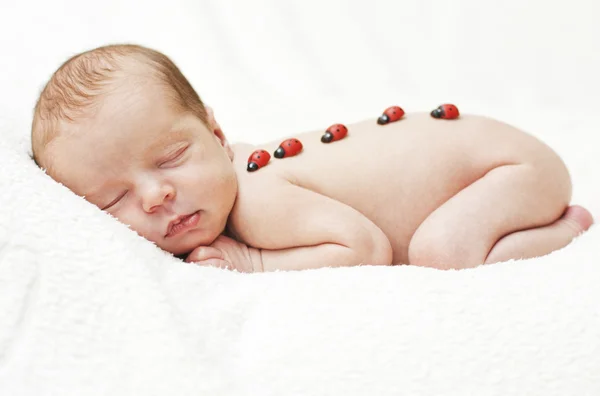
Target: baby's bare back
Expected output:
[399,173]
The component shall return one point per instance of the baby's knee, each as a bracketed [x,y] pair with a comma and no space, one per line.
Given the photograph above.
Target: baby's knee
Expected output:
[551,183]
[426,255]
[442,249]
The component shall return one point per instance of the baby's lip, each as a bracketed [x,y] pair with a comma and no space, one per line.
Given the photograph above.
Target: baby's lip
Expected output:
[178,220]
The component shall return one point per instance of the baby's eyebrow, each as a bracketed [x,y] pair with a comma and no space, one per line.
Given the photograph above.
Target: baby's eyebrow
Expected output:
[168,139]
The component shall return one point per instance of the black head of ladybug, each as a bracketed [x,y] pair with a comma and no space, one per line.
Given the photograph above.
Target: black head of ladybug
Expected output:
[327,137]
[279,153]
[252,166]
[383,119]
[438,113]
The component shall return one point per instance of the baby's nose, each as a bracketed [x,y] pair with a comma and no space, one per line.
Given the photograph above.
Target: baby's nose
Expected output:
[158,197]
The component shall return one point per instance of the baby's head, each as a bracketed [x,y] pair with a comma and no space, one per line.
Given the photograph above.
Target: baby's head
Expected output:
[121,126]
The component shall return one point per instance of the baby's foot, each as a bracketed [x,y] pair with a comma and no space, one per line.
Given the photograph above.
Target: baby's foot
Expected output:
[542,240]
[578,218]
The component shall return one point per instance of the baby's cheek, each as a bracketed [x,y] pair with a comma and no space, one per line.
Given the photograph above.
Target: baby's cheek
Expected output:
[188,175]
[133,220]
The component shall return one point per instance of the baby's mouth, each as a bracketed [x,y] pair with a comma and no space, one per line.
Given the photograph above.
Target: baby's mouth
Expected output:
[182,224]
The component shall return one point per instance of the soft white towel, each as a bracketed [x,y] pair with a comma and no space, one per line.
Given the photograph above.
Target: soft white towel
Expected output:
[89,308]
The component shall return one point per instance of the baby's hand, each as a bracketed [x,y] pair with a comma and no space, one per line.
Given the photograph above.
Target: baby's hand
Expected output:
[225,253]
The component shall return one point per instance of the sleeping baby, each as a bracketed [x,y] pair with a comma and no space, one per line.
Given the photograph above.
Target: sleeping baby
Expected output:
[121,126]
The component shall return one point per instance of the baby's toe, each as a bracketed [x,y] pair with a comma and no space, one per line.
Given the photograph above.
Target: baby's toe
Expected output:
[578,217]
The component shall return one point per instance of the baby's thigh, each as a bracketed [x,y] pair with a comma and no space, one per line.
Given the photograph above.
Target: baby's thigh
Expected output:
[542,176]
[509,198]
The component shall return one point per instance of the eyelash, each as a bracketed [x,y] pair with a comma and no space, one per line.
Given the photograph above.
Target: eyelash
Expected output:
[175,157]
[113,203]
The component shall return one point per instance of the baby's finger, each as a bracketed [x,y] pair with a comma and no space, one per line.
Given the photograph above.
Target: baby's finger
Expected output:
[202,253]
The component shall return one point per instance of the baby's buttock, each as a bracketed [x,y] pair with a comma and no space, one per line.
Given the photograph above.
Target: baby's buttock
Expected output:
[398,174]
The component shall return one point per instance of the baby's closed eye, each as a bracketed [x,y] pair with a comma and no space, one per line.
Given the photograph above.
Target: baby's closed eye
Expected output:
[173,158]
[115,201]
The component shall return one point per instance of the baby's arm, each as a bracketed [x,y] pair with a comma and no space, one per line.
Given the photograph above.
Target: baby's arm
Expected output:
[300,229]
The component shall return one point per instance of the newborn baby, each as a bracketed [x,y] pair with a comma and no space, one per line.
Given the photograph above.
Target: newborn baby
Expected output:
[121,126]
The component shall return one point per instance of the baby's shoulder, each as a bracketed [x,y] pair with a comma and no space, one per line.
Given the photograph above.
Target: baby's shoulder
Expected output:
[257,196]
[271,193]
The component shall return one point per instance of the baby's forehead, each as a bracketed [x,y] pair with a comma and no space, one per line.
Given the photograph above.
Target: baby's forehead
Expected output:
[138,121]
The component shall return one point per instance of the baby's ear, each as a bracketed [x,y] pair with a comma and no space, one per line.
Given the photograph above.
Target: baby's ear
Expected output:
[212,122]
[227,148]
[215,128]
[220,137]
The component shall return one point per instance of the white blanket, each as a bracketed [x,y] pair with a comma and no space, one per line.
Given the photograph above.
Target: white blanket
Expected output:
[89,308]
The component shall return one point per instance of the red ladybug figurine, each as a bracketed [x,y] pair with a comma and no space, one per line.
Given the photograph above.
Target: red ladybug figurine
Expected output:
[258,159]
[334,132]
[390,114]
[446,112]
[288,148]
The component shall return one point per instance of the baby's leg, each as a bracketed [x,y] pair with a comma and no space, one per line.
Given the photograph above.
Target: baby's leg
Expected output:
[542,240]
[463,232]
